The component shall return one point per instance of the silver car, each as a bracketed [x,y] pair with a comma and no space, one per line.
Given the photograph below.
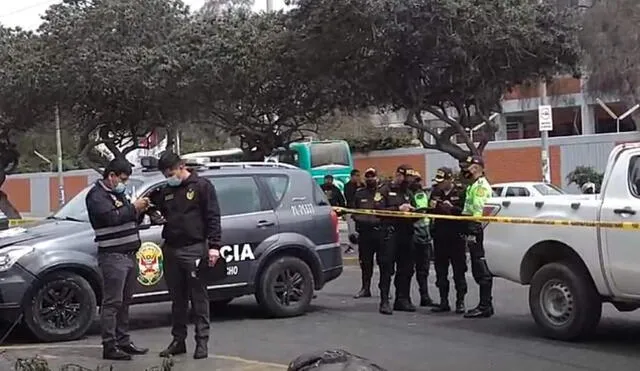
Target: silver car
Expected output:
[280,241]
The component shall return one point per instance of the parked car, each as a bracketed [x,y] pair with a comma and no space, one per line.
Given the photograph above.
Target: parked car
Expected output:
[572,270]
[526,189]
[280,241]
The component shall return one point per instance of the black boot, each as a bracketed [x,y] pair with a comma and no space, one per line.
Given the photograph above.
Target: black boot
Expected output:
[202,350]
[425,301]
[113,353]
[385,307]
[480,312]
[404,305]
[485,308]
[175,348]
[365,291]
[460,304]
[443,307]
[131,348]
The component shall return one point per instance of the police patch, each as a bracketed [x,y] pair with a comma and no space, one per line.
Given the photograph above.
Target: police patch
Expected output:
[480,192]
[377,197]
[150,264]
[191,194]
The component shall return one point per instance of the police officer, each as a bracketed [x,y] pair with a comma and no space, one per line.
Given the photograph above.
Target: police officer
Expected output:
[115,223]
[368,228]
[191,242]
[476,195]
[397,243]
[421,240]
[449,247]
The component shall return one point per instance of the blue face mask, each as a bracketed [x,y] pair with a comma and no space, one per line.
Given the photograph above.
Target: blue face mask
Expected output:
[119,188]
[174,181]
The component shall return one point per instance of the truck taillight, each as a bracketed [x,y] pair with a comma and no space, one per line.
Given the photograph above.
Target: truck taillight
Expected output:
[336,226]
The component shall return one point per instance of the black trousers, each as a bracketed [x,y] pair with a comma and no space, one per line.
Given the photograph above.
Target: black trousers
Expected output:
[404,261]
[181,275]
[449,249]
[118,281]
[479,268]
[422,264]
[368,246]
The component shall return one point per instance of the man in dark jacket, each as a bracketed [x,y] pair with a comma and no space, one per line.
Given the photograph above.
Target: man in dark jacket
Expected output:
[191,239]
[115,223]
[333,193]
[350,189]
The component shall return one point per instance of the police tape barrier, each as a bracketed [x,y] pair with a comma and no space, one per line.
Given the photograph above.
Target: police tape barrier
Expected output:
[491,219]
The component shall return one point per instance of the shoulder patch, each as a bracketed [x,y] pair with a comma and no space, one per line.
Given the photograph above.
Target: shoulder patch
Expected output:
[377,197]
[191,194]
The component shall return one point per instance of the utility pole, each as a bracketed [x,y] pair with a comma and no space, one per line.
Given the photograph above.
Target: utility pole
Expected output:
[269,5]
[545,125]
[59,150]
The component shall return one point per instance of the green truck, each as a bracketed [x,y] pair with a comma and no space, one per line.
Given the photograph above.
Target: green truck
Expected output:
[319,158]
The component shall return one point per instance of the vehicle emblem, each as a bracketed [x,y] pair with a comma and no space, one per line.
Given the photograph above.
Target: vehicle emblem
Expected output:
[190,194]
[377,197]
[150,264]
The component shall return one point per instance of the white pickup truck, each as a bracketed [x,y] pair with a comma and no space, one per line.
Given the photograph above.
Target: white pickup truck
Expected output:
[573,270]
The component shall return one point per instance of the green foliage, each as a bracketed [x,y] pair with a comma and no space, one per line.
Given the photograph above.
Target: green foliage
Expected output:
[585,174]
[365,145]
[451,59]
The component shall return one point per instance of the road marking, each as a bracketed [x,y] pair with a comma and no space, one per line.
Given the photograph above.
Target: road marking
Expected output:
[92,346]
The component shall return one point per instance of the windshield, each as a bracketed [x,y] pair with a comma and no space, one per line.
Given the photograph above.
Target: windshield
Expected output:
[76,208]
[332,153]
[548,189]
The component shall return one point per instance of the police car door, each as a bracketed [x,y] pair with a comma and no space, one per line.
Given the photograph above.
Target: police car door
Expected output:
[247,222]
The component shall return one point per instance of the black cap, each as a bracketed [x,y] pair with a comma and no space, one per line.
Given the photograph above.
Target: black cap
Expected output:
[472,160]
[403,169]
[443,173]
[370,172]
[328,176]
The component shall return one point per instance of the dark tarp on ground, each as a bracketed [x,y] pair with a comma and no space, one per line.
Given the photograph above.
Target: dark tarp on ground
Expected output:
[332,360]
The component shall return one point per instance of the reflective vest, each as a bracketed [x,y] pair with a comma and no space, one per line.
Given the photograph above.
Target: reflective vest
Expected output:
[476,196]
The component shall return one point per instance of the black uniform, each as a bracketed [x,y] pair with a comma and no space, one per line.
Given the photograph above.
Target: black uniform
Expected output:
[114,221]
[369,234]
[449,246]
[334,195]
[396,251]
[192,227]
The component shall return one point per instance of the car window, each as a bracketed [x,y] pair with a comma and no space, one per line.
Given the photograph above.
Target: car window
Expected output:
[497,191]
[634,176]
[237,195]
[517,192]
[319,197]
[277,185]
[548,189]
[76,208]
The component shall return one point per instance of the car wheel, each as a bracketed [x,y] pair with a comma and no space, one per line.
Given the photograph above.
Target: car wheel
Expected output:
[286,287]
[61,307]
[564,302]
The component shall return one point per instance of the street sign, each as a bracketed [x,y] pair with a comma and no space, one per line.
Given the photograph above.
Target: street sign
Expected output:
[545,118]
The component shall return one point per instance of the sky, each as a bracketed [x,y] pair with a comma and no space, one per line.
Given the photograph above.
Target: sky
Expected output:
[26,13]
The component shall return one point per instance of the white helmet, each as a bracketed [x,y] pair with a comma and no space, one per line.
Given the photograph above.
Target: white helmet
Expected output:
[588,188]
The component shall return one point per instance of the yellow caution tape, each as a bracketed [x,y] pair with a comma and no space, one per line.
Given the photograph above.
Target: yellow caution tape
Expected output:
[492,219]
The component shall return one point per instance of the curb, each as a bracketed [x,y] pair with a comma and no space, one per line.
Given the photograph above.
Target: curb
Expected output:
[350,260]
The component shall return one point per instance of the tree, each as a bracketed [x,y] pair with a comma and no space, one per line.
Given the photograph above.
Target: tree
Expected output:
[451,59]
[249,84]
[585,174]
[20,102]
[118,67]
[610,39]
[216,8]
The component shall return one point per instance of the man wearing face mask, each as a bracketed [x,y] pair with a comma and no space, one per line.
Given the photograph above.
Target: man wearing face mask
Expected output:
[449,247]
[476,195]
[115,223]
[191,241]
[396,251]
[421,240]
[368,228]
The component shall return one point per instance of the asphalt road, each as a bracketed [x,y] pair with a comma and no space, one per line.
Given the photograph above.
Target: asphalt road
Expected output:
[243,340]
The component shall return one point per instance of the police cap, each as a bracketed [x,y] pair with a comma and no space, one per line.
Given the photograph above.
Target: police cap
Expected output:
[443,173]
[370,173]
[404,169]
[472,160]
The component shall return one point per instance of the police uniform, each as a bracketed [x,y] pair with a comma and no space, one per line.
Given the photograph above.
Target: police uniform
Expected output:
[449,244]
[476,195]
[368,228]
[396,253]
[115,223]
[192,227]
[421,241]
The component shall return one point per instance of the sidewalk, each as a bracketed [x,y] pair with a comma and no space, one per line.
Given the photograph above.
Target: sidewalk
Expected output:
[89,357]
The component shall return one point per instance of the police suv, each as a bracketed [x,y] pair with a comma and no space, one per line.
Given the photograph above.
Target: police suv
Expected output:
[280,240]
